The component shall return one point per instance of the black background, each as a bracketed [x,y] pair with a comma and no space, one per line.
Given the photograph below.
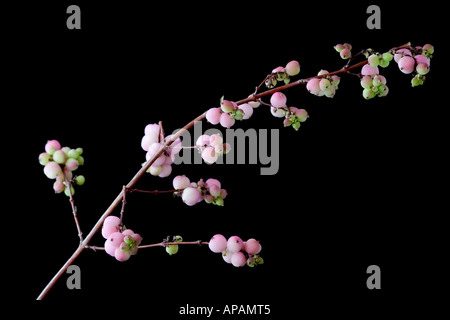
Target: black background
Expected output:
[357,184]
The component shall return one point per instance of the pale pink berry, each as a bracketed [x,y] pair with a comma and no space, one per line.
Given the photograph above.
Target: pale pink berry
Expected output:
[313,86]
[109,229]
[234,244]
[52,169]
[238,259]
[212,181]
[58,186]
[345,53]
[122,255]
[181,182]
[213,115]
[227,256]
[247,109]
[218,243]
[152,150]
[166,170]
[252,246]
[113,242]
[368,70]
[215,139]
[293,68]
[209,155]
[278,100]
[226,120]
[190,196]
[71,164]
[203,140]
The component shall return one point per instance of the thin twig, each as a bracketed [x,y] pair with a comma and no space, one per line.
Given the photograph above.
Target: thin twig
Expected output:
[74,208]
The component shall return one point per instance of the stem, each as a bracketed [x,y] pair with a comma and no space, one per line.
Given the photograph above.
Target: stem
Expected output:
[152,191]
[159,244]
[74,209]
[85,243]
[124,202]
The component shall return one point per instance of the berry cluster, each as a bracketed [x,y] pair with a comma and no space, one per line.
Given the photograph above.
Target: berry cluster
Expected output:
[229,112]
[212,147]
[119,244]
[282,74]
[324,86]
[236,251]
[293,116]
[59,163]
[373,83]
[152,142]
[416,61]
[344,50]
[192,193]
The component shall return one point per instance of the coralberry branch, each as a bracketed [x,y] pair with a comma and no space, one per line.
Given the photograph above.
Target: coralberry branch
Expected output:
[121,243]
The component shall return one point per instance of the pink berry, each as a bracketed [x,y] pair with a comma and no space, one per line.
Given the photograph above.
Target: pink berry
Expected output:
[278,100]
[227,256]
[234,244]
[218,243]
[58,186]
[52,169]
[109,229]
[166,170]
[238,259]
[215,139]
[247,109]
[345,53]
[51,146]
[209,155]
[406,64]
[252,246]
[368,70]
[180,182]
[422,59]
[203,140]
[148,140]
[72,164]
[313,86]
[293,68]
[226,120]
[121,255]
[152,150]
[212,181]
[113,242]
[190,196]
[213,115]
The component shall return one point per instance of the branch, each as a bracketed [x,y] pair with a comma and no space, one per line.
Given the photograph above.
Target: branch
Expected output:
[159,244]
[85,243]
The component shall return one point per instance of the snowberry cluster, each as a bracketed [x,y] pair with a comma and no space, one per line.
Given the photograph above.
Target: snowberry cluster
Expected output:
[293,116]
[373,83]
[229,112]
[324,86]
[191,193]
[236,251]
[119,244]
[152,142]
[344,50]
[282,74]
[211,147]
[59,163]
[416,61]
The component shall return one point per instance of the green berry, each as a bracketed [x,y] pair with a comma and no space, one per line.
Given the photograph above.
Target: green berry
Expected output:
[59,157]
[44,158]
[387,56]
[368,93]
[374,60]
[172,249]
[80,180]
